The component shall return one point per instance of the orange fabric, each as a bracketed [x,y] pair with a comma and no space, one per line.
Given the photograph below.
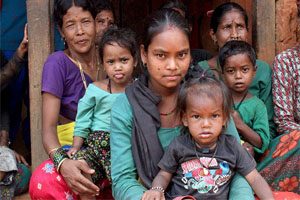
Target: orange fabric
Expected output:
[284,196]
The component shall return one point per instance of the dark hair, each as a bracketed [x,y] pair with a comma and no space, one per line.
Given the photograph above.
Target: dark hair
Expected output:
[61,7]
[101,5]
[125,38]
[205,85]
[224,8]
[176,4]
[159,21]
[236,47]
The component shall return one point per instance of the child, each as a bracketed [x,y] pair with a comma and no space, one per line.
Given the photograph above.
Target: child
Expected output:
[119,52]
[203,161]
[237,60]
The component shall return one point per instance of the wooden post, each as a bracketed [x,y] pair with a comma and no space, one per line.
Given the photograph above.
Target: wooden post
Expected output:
[40,46]
[264,29]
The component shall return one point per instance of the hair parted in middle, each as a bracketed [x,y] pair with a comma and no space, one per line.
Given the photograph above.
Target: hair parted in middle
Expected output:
[159,21]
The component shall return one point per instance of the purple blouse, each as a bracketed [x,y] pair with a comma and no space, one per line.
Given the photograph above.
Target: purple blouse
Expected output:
[61,78]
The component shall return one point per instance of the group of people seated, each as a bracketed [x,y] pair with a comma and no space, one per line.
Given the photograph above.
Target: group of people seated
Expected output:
[129,119]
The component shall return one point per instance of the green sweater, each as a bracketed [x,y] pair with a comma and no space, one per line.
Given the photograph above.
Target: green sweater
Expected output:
[124,175]
[94,111]
[261,87]
[254,113]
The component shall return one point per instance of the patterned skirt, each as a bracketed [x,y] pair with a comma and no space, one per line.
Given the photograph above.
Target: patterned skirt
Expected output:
[281,164]
[97,154]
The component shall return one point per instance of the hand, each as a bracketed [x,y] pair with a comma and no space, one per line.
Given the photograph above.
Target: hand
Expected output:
[72,170]
[237,119]
[72,151]
[153,195]
[21,159]
[23,47]
[249,148]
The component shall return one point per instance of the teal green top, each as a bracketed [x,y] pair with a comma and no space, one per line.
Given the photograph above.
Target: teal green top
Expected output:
[261,87]
[254,113]
[124,175]
[93,112]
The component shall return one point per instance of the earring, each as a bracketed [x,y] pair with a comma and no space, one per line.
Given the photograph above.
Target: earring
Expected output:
[64,41]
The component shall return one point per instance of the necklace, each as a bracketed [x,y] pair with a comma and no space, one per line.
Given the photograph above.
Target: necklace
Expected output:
[168,113]
[109,86]
[77,63]
[240,103]
[205,151]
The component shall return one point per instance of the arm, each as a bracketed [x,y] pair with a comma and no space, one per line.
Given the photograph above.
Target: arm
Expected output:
[259,185]
[50,113]
[161,180]
[263,90]
[12,68]
[250,135]
[239,187]
[123,171]
[77,144]
[85,113]
[83,124]
[283,79]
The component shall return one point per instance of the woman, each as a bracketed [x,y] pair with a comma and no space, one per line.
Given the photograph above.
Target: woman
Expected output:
[229,21]
[281,166]
[105,17]
[144,121]
[66,74]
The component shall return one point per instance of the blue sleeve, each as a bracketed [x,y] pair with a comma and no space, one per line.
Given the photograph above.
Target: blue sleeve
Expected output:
[125,185]
[239,188]
[85,112]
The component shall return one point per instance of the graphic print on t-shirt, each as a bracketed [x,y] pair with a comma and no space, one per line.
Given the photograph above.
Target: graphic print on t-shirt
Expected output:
[199,176]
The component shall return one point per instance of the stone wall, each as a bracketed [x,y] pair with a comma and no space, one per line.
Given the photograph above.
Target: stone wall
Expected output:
[287,24]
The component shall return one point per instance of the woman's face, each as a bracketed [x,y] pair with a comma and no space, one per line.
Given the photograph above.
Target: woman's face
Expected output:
[232,27]
[104,20]
[78,30]
[168,58]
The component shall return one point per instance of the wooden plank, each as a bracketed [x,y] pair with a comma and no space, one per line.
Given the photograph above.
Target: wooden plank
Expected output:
[40,46]
[264,30]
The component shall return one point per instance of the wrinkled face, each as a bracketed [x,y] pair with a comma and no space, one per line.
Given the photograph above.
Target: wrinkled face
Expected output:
[78,30]
[103,20]
[238,73]
[232,27]
[118,64]
[204,118]
[167,58]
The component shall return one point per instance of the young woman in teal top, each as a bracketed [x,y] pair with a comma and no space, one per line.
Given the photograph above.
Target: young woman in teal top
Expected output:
[230,22]
[143,120]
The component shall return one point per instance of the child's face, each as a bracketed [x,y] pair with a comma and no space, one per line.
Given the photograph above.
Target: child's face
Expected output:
[118,63]
[238,72]
[204,118]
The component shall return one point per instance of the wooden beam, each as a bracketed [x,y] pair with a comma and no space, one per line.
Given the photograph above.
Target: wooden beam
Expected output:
[264,29]
[40,46]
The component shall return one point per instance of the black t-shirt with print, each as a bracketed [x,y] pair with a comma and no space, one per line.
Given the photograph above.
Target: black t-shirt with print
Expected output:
[191,176]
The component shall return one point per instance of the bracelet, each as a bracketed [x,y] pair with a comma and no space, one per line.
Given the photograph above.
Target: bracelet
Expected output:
[158,188]
[59,156]
[52,150]
[59,165]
